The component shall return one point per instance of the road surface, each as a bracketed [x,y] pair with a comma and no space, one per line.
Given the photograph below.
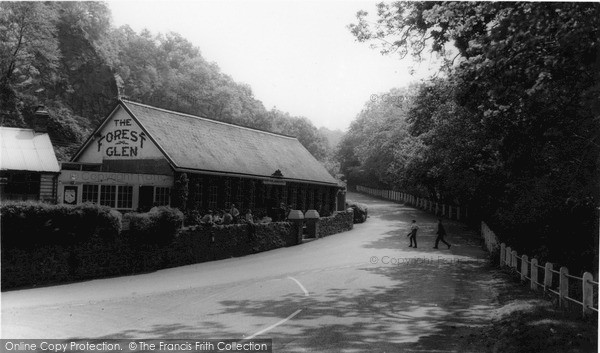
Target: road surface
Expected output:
[357,291]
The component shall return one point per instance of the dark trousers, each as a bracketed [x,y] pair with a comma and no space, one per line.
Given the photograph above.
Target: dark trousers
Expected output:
[439,238]
[413,237]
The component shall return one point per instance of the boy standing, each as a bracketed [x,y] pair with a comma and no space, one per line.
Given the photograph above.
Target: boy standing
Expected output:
[413,234]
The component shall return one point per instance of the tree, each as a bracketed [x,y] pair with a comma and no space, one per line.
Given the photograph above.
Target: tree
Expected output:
[29,54]
[515,117]
[300,127]
[369,151]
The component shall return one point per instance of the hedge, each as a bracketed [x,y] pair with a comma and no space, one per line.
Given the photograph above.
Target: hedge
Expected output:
[360,212]
[339,222]
[134,252]
[51,244]
[31,224]
[159,226]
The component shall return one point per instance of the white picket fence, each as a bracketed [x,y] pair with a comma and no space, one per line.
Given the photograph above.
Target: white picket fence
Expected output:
[440,209]
[529,270]
[545,277]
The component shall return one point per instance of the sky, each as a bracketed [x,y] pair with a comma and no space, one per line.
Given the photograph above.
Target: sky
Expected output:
[297,56]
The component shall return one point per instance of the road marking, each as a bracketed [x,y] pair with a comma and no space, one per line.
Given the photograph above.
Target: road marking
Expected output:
[273,326]
[301,286]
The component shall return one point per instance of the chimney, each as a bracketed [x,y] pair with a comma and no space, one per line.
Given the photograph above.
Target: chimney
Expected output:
[40,119]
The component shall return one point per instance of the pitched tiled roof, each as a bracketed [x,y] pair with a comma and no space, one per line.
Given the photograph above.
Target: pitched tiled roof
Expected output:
[26,150]
[197,143]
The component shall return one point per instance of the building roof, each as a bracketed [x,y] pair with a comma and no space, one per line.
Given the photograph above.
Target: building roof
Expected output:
[197,143]
[26,150]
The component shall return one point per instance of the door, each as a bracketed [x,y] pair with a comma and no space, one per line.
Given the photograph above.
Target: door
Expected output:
[146,200]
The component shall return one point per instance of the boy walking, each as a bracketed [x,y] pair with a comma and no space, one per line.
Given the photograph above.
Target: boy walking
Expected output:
[441,232]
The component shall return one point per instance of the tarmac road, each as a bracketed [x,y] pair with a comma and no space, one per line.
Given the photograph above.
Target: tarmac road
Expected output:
[357,291]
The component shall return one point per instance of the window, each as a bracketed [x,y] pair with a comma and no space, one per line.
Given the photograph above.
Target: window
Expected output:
[20,186]
[162,196]
[228,193]
[197,200]
[108,195]
[294,198]
[251,194]
[302,201]
[90,193]
[212,202]
[284,194]
[125,197]
[239,198]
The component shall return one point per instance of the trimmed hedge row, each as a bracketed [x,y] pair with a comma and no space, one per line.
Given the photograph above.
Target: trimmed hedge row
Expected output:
[31,224]
[339,222]
[50,244]
[140,249]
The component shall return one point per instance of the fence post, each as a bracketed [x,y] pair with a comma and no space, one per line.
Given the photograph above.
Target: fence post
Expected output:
[507,260]
[588,293]
[564,287]
[513,262]
[524,269]
[502,254]
[534,274]
[548,276]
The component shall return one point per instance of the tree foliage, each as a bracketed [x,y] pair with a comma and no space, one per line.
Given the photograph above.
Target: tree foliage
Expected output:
[512,128]
[68,57]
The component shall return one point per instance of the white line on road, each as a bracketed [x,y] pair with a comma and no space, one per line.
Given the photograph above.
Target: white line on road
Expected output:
[300,284]
[274,325]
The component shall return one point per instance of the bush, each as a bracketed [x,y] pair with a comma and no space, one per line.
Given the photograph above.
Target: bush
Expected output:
[339,222]
[159,226]
[192,217]
[360,212]
[31,224]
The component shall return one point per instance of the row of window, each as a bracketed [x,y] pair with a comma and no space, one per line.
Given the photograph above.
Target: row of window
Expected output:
[213,196]
[295,196]
[120,196]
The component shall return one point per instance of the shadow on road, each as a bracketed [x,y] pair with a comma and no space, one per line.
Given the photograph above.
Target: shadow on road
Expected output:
[417,304]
